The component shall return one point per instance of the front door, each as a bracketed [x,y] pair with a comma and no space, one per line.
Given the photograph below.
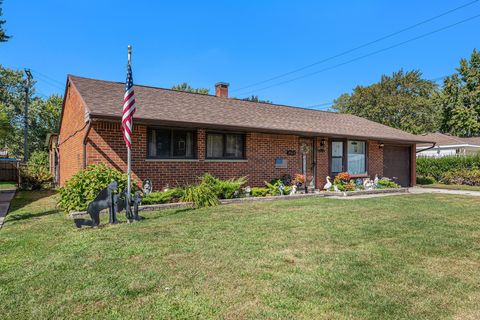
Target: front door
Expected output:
[396,164]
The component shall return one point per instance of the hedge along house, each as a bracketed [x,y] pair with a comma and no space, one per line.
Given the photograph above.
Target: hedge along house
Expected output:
[178,136]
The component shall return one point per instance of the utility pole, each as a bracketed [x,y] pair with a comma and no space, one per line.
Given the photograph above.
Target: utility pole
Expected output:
[25,130]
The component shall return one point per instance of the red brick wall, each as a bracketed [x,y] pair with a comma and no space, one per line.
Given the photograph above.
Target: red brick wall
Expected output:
[105,144]
[375,159]
[72,133]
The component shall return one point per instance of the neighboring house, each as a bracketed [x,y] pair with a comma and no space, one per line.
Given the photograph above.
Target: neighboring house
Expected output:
[178,136]
[51,142]
[446,145]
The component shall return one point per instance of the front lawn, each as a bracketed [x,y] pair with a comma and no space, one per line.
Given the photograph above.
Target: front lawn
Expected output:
[7,185]
[397,257]
[451,186]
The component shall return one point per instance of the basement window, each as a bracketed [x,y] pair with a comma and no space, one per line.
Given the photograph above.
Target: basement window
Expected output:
[168,143]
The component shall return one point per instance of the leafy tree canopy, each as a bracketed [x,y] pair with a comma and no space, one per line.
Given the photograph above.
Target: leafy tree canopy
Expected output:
[403,100]
[43,115]
[460,99]
[254,98]
[187,88]
[3,36]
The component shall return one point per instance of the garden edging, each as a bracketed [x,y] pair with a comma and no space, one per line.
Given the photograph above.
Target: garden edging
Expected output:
[163,206]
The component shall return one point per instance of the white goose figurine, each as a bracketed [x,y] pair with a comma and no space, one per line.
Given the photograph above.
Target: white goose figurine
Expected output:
[327,185]
[293,191]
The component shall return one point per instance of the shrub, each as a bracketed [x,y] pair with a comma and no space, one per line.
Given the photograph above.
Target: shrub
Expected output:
[462,176]
[259,192]
[201,195]
[84,186]
[425,180]
[172,195]
[224,189]
[386,183]
[438,167]
[36,174]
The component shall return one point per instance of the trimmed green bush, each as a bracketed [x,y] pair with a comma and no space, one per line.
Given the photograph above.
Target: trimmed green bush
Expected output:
[386,184]
[425,180]
[84,186]
[462,176]
[438,167]
[36,174]
[259,192]
[172,195]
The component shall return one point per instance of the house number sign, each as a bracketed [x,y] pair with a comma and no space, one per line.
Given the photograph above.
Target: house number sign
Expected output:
[291,152]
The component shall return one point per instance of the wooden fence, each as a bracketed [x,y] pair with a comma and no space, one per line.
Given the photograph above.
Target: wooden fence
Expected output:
[9,170]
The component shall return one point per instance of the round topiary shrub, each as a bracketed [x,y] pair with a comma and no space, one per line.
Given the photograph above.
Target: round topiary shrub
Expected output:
[84,186]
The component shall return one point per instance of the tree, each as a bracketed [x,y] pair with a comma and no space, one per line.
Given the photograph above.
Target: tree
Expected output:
[403,100]
[43,114]
[187,88]
[254,98]
[3,36]
[460,99]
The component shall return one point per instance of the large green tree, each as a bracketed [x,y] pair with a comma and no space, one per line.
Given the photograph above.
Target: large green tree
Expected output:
[43,117]
[403,100]
[254,98]
[3,36]
[460,99]
[187,88]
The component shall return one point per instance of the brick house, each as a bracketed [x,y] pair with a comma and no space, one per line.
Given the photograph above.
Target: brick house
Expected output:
[178,136]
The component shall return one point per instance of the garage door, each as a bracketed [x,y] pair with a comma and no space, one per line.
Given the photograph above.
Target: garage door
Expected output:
[396,164]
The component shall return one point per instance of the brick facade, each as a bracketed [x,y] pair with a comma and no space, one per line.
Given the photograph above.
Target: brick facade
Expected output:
[105,144]
[72,133]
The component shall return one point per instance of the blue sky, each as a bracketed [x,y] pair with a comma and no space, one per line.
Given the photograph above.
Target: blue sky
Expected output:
[241,42]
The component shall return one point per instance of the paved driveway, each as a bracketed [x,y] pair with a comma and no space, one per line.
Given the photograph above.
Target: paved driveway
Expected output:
[5,197]
[444,191]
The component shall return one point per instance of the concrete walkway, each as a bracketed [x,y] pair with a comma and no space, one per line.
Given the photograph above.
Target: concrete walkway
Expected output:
[444,191]
[5,197]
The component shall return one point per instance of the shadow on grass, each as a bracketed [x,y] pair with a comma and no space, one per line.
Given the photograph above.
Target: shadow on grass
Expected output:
[25,198]
[23,216]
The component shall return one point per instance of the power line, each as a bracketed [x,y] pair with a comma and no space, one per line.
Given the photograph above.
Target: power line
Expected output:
[329,104]
[358,47]
[365,55]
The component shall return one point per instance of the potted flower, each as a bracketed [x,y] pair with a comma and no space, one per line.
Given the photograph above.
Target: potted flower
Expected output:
[299,180]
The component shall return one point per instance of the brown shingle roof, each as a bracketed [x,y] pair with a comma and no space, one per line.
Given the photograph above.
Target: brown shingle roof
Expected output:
[442,139]
[105,99]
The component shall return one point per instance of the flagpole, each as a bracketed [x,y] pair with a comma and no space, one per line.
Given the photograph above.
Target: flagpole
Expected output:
[129,155]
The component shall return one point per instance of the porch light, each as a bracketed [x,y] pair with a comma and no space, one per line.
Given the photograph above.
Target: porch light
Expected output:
[381,145]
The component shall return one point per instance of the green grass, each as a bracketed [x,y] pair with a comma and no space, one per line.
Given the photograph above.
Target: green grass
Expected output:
[7,185]
[451,186]
[399,257]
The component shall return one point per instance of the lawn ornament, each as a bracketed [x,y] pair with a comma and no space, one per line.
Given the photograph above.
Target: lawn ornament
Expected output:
[327,185]
[120,203]
[368,184]
[293,191]
[103,200]
[137,199]
[248,191]
[281,188]
[375,181]
[335,188]
[147,186]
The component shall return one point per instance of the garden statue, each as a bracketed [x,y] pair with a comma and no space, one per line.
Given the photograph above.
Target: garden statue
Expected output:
[327,185]
[120,203]
[248,191]
[136,201]
[368,184]
[147,186]
[281,188]
[335,188]
[103,200]
[293,191]
[375,181]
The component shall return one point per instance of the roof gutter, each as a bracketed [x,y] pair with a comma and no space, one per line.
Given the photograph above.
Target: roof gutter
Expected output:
[421,150]
[89,126]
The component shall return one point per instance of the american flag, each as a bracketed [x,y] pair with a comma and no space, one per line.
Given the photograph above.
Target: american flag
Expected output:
[128,108]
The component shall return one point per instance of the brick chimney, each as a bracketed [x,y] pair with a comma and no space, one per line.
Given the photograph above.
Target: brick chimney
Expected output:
[221,89]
